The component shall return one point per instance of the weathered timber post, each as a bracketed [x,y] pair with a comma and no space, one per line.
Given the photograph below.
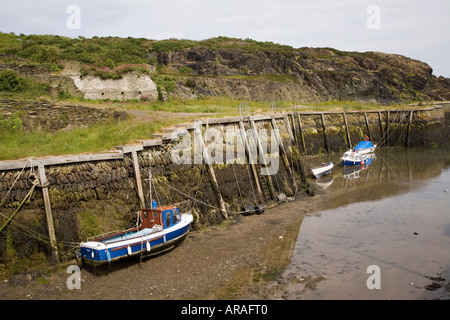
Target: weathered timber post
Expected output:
[48,212]
[287,124]
[301,132]
[133,150]
[409,128]
[252,164]
[381,126]
[294,129]
[367,126]
[198,135]
[349,139]
[387,126]
[262,158]
[283,153]
[294,141]
[324,132]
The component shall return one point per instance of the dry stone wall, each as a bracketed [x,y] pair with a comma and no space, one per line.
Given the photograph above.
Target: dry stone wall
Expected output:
[46,116]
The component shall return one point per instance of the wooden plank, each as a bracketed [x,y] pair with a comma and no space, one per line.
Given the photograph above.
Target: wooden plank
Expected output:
[130,148]
[60,160]
[48,212]
[151,142]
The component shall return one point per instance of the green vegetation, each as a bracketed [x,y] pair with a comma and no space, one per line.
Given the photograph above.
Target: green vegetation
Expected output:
[113,51]
[14,86]
[12,125]
[111,58]
[79,140]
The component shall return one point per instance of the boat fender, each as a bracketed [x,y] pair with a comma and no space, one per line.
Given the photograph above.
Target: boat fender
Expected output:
[147,246]
[281,197]
[129,250]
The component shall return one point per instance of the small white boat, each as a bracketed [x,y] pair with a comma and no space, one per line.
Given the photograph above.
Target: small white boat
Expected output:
[323,169]
[352,158]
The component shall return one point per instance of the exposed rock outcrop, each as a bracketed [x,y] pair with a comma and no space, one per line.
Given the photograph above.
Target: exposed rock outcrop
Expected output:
[306,74]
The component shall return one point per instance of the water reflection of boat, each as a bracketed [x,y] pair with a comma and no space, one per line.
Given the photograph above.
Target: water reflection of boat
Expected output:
[325,181]
[351,172]
[323,169]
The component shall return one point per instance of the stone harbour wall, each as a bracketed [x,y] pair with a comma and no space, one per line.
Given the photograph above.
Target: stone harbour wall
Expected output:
[90,195]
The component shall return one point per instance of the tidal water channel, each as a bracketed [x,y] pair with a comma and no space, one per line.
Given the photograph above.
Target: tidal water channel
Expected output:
[384,234]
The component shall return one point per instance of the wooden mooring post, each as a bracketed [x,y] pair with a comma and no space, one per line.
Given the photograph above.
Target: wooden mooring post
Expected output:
[409,128]
[324,132]
[300,129]
[367,125]
[137,172]
[48,212]
[347,130]
[381,127]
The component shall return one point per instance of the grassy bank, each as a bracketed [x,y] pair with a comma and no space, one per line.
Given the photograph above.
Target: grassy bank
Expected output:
[146,119]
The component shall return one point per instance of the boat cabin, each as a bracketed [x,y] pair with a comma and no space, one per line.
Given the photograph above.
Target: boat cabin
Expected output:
[165,216]
[352,156]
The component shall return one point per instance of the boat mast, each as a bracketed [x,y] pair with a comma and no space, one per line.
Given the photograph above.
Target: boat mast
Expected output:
[150,205]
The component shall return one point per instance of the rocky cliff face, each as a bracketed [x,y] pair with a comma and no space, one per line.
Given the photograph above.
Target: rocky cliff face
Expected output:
[236,68]
[305,74]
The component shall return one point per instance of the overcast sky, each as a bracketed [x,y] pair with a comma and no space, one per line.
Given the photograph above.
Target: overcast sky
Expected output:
[416,29]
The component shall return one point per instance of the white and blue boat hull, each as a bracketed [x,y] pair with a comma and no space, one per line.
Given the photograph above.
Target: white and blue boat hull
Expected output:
[146,242]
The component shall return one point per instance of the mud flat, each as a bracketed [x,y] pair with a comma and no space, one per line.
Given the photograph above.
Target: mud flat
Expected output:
[225,261]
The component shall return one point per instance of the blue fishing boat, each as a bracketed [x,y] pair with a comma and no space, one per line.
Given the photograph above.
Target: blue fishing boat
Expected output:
[158,229]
